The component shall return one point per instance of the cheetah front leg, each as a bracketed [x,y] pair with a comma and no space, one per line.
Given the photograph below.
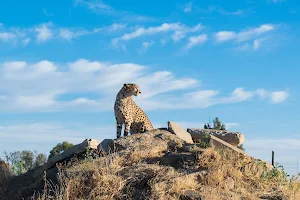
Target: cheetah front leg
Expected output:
[119,124]
[119,129]
[127,127]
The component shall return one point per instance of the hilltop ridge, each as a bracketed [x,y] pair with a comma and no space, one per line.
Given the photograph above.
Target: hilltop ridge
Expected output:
[153,165]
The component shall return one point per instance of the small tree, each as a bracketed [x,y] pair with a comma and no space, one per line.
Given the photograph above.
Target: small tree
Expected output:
[208,126]
[27,158]
[217,124]
[22,161]
[205,126]
[40,159]
[223,127]
[59,148]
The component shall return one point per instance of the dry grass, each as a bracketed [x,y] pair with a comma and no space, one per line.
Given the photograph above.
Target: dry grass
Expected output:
[249,184]
[128,176]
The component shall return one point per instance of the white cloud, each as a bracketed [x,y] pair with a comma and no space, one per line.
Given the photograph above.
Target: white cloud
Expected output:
[244,35]
[278,97]
[152,30]
[11,35]
[97,6]
[26,41]
[179,31]
[188,7]
[44,32]
[230,125]
[220,10]
[37,87]
[248,39]
[223,36]
[238,95]
[274,97]
[224,12]
[47,31]
[196,40]
[6,36]
[256,44]
[116,27]
[39,101]
[146,46]
[253,32]
[83,66]
[262,93]
[68,34]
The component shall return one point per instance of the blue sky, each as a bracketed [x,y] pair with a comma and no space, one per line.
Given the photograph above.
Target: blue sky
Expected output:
[62,63]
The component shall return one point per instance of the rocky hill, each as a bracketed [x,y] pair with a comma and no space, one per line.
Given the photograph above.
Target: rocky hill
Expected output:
[154,165]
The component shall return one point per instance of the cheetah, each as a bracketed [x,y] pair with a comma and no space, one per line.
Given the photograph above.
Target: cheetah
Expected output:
[128,113]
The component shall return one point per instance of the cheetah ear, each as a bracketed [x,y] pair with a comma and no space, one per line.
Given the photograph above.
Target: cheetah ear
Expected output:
[126,85]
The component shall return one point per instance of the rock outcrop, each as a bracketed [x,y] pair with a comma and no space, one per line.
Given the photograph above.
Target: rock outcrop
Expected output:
[69,153]
[151,142]
[233,138]
[180,132]
[217,143]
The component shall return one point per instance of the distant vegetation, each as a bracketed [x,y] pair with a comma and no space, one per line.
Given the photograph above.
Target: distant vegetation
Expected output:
[59,148]
[22,161]
[217,125]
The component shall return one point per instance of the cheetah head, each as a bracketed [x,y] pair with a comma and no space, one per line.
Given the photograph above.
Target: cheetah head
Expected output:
[132,89]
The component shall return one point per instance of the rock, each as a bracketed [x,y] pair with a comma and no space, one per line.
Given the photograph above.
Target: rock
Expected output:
[229,183]
[69,153]
[106,146]
[233,138]
[220,144]
[163,128]
[190,195]
[257,167]
[172,159]
[180,132]
[273,195]
[151,142]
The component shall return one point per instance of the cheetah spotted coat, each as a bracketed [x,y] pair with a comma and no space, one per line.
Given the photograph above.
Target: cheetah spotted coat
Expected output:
[128,113]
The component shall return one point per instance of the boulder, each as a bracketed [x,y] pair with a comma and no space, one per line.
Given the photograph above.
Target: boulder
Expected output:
[190,195]
[233,138]
[220,144]
[180,132]
[106,146]
[69,153]
[151,142]
[173,159]
[257,167]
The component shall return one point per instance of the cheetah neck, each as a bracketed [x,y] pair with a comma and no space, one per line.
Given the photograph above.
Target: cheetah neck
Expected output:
[121,96]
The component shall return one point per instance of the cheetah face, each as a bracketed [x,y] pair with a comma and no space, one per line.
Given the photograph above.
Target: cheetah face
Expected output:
[132,89]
